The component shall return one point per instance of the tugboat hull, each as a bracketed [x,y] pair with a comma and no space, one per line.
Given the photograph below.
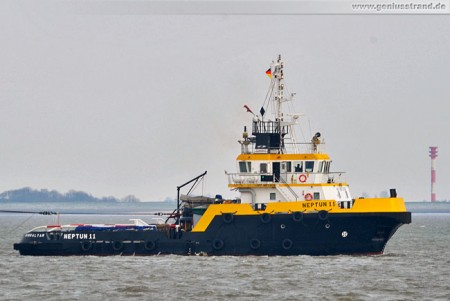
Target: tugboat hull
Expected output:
[266,234]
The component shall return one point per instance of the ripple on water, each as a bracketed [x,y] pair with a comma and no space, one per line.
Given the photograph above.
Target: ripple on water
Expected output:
[414,267]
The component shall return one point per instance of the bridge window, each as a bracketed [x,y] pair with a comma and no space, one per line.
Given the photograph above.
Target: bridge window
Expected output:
[320,166]
[286,166]
[309,166]
[298,166]
[263,167]
[245,166]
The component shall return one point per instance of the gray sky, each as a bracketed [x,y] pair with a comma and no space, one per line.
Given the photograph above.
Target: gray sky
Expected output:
[129,103]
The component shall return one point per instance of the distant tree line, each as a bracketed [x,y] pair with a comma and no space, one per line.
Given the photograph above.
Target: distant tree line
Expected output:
[27,194]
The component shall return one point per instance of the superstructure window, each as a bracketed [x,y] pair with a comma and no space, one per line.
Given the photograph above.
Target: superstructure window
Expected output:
[309,166]
[320,166]
[288,166]
[245,166]
[298,166]
[263,167]
[273,196]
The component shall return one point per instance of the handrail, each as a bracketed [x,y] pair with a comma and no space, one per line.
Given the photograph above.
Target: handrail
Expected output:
[255,178]
[290,189]
[309,147]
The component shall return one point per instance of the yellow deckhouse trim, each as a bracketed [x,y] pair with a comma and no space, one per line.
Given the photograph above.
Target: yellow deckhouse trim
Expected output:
[384,205]
[281,157]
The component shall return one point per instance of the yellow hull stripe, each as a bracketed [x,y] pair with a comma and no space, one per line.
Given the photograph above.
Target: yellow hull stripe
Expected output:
[285,185]
[360,206]
[281,157]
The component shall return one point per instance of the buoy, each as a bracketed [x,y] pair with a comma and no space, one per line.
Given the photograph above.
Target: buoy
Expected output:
[302,178]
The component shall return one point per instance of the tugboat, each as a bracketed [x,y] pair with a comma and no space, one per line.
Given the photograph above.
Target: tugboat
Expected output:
[291,203]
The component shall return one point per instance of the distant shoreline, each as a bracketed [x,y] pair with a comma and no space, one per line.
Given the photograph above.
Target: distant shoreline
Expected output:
[428,207]
[81,207]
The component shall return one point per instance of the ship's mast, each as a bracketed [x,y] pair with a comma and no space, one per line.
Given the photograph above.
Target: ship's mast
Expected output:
[278,98]
[269,135]
[279,92]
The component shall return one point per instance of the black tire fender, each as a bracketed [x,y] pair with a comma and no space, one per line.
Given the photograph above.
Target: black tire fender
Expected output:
[117,245]
[323,215]
[217,244]
[286,243]
[149,245]
[86,246]
[227,218]
[265,218]
[255,244]
[297,216]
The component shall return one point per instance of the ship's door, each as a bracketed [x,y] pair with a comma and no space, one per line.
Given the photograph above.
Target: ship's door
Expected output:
[276,171]
[283,171]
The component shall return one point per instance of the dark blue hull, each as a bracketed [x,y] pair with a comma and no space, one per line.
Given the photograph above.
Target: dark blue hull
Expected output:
[277,234]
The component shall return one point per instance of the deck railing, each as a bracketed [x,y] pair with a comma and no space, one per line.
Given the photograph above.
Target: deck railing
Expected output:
[288,178]
[303,148]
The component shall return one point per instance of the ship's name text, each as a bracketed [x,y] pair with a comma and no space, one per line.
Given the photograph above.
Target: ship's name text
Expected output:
[320,204]
[79,236]
[34,235]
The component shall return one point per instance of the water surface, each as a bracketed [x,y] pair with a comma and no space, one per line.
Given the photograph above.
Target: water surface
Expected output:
[415,266]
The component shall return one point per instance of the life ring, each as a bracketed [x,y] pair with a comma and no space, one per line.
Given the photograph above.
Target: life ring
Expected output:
[227,218]
[117,245]
[265,218]
[323,215]
[308,197]
[86,246]
[150,245]
[217,244]
[255,244]
[302,178]
[297,216]
[286,244]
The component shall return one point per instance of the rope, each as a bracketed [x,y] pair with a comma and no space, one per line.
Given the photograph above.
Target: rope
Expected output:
[268,95]
[203,185]
[33,213]
[196,183]
[20,224]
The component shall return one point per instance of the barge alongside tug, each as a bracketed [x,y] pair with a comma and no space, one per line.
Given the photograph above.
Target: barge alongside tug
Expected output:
[290,204]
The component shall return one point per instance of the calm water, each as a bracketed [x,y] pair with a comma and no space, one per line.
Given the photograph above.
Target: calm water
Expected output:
[416,266]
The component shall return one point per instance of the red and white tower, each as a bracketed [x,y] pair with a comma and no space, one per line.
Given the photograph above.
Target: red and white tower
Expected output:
[433,156]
